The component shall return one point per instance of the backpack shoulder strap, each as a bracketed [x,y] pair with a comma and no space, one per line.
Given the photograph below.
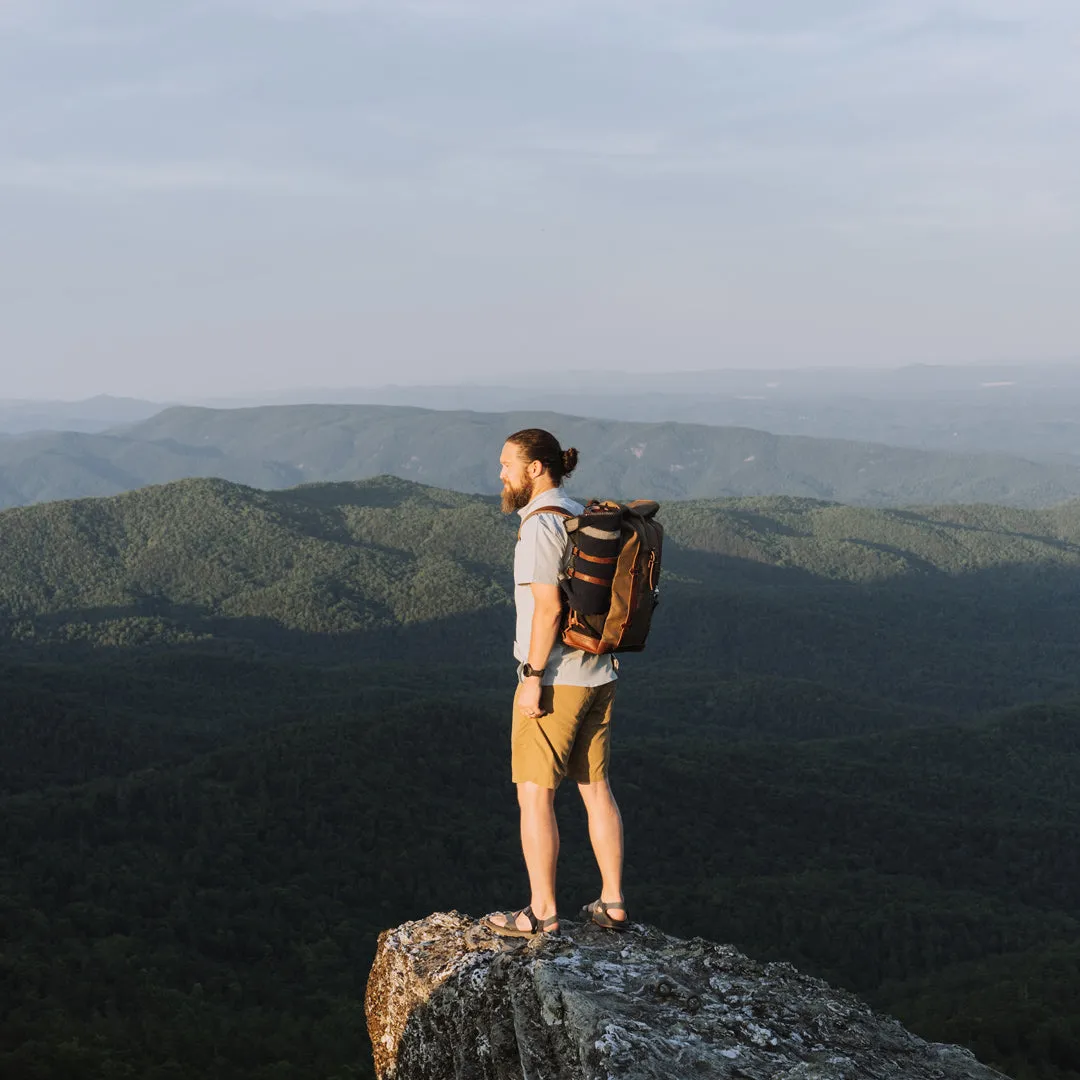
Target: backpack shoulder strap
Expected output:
[560,510]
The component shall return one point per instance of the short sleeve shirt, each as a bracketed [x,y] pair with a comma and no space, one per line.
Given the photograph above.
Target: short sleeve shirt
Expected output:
[541,556]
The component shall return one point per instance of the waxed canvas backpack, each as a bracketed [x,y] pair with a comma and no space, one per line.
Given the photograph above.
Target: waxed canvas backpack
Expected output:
[612,581]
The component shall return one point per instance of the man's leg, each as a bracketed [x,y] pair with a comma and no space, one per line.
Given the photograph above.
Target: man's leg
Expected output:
[540,845]
[606,835]
[540,748]
[588,766]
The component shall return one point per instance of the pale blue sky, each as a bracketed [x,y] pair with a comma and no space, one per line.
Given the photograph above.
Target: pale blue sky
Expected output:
[221,196]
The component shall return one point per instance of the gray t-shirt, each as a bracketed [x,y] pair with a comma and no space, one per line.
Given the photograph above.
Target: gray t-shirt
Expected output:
[541,556]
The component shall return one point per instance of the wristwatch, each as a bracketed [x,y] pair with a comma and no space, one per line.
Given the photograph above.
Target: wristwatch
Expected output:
[528,671]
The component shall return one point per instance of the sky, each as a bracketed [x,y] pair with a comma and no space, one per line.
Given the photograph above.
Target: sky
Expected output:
[241,196]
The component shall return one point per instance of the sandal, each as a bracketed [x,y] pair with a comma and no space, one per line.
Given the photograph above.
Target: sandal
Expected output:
[597,913]
[510,929]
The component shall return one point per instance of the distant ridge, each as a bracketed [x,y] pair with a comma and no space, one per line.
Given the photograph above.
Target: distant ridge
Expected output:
[281,446]
[96,414]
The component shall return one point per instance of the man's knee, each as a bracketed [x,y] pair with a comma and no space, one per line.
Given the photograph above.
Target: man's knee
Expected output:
[597,793]
[531,795]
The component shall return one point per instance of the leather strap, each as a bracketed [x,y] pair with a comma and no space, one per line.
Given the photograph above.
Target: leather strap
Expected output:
[612,561]
[560,510]
[574,572]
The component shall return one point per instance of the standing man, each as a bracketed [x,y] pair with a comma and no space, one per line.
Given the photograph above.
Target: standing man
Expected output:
[562,708]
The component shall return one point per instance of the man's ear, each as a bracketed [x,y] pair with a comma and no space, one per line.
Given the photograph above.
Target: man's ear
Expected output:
[535,468]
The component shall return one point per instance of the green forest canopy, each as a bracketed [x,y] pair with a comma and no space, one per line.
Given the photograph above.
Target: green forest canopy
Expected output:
[245,731]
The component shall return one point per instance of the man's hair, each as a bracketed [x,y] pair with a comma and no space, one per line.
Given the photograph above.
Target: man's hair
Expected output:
[536,444]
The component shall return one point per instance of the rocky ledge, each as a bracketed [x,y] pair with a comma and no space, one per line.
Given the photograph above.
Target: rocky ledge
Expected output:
[448,1000]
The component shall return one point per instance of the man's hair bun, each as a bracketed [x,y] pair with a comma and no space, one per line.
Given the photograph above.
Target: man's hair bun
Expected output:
[536,444]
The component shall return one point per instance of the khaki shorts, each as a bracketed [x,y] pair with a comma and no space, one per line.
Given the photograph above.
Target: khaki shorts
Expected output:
[571,741]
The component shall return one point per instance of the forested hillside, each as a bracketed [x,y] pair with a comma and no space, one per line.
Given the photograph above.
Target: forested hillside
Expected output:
[281,446]
[960,608]
[244,731]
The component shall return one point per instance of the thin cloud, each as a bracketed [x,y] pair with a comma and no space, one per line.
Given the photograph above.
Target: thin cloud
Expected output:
[490,12]
[71,24]
[603,144]
[103,178]
[710,38]
[33,111]
[24,14]
[902,24]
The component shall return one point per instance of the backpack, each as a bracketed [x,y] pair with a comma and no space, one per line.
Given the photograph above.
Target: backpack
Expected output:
[612,579]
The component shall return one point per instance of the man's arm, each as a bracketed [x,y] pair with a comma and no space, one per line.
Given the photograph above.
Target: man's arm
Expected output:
[547,616]
[548,544]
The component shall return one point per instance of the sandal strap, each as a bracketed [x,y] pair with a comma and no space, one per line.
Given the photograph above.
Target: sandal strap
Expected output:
[536,925]
[510,918]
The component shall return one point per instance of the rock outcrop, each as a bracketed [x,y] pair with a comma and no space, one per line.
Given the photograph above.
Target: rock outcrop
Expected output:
[448,1000]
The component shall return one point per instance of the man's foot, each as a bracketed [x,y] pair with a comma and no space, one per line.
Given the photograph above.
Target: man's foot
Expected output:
[610,914]
[521,923]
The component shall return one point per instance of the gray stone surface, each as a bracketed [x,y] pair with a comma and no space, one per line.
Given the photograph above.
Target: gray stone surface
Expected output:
[448,1000]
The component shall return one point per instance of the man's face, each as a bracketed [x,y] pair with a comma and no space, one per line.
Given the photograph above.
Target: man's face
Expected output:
[516,480]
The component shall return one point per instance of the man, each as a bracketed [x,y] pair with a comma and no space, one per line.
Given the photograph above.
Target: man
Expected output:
[562,708]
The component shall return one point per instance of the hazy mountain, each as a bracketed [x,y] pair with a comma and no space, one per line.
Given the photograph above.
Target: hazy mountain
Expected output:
[280,446]
[1026,410]
[92,415]
[915,382]
[1032,411]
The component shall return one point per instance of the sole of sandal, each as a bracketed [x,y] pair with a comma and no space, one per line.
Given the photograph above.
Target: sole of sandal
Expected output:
[613,924]
[605,922]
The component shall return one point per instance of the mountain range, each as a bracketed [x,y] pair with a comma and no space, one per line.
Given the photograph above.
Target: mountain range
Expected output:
[1029,410]
[91,415]
[971,607]
[281,446]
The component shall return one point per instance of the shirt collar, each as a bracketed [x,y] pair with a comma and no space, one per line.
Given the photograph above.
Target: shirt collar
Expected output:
[545,498]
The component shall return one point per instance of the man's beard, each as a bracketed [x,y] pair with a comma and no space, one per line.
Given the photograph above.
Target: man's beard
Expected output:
[515,498]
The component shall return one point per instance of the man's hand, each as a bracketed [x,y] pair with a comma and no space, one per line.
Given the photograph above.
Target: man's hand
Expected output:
[528,697]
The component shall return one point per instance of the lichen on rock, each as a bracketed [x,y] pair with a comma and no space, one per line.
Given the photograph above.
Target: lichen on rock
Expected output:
[450,1000]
